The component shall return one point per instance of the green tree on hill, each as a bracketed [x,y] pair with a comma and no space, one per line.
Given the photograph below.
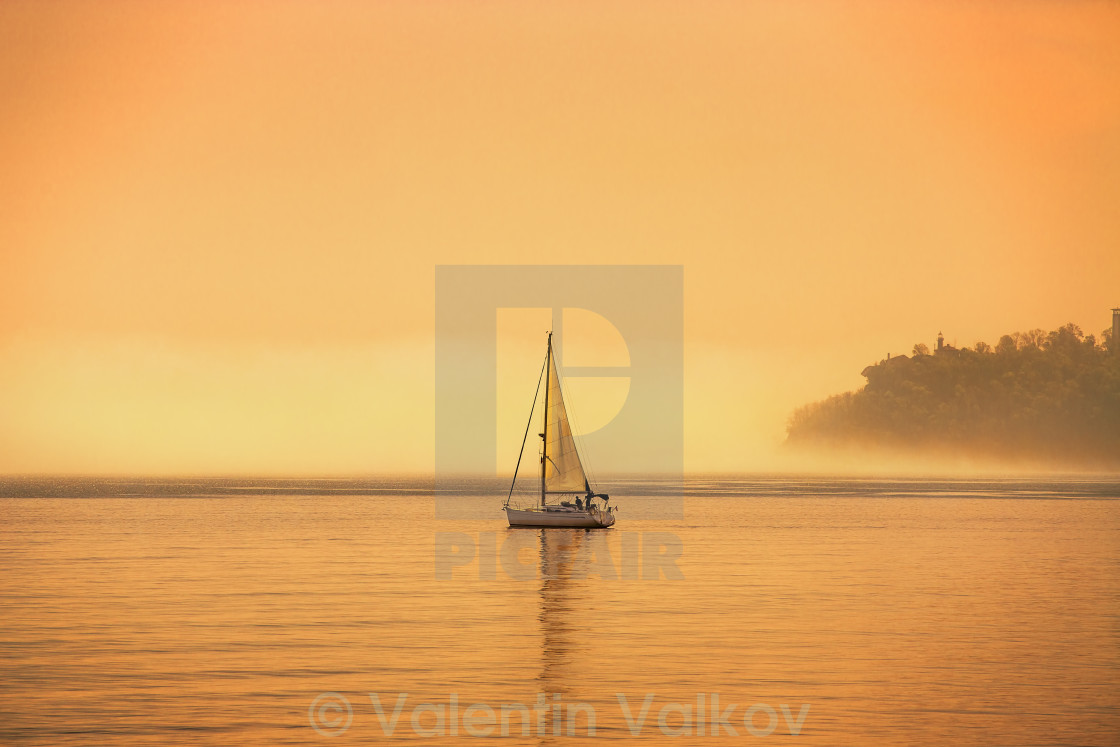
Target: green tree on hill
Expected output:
[1052,396]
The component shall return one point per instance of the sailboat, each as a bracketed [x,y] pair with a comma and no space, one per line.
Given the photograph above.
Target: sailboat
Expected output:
[562,474]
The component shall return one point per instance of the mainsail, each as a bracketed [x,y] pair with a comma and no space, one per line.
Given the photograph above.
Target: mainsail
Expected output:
[563,472]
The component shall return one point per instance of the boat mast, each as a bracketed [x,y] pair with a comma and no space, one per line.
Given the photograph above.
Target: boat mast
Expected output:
[544,434]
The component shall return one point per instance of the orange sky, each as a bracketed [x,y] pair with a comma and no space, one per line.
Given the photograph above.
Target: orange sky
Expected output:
[221,220]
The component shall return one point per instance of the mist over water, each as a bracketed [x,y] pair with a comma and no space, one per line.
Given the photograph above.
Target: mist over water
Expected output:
[903,611]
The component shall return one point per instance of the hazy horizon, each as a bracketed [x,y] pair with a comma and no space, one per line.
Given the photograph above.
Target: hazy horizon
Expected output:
[836,465]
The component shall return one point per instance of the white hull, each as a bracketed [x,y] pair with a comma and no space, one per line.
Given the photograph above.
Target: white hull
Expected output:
[520,517]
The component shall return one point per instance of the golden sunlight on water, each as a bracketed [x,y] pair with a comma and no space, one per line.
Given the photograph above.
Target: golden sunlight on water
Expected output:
[840,612]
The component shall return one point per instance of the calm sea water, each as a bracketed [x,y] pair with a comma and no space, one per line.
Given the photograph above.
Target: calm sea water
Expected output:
[863,612]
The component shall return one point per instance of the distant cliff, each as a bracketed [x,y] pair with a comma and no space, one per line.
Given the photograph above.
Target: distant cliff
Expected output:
[1047,397]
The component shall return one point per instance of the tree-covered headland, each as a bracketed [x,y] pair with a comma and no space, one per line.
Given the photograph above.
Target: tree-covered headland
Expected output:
[1048,398]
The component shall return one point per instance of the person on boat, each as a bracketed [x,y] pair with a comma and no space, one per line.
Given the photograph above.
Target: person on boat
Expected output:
[579,504]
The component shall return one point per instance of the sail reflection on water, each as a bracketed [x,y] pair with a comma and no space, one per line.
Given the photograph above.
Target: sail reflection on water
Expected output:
[566,617]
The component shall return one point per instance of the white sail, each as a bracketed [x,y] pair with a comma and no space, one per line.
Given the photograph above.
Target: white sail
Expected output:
[563,472]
